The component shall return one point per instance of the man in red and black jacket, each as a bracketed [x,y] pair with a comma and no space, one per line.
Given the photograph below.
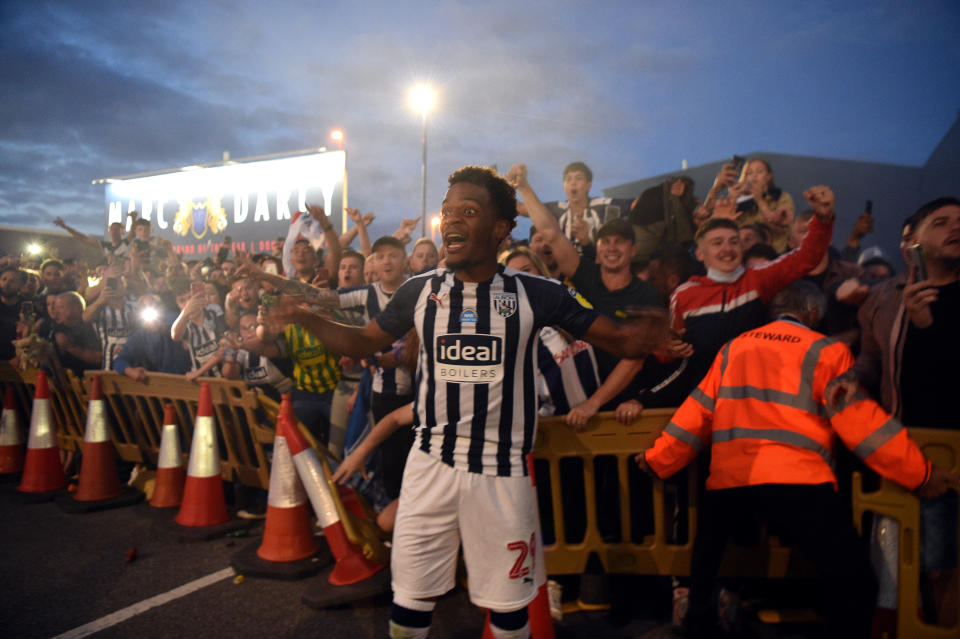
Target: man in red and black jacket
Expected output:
[708,311]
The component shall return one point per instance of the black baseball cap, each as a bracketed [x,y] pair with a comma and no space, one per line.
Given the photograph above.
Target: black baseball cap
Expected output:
[618,226]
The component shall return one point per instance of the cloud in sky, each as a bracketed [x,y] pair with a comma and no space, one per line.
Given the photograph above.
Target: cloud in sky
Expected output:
[106,88]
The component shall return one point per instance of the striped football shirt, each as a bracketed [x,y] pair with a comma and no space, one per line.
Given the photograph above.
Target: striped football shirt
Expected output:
[369,300]
[475,401]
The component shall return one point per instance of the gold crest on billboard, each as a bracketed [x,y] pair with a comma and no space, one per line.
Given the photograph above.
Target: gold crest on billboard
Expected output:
[197,218]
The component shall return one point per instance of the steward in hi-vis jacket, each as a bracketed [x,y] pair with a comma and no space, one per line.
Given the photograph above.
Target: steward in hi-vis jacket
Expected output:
[762,411]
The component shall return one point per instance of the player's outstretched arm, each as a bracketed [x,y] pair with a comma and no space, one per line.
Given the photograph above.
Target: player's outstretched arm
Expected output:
[634,338]
[352,341]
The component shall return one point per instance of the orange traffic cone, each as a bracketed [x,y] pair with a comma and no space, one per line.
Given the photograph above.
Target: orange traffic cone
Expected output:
[538,610]
[288,549]
[171,475]
[203,511]
[99,487]
[355,575]
[12,448]
[42,472]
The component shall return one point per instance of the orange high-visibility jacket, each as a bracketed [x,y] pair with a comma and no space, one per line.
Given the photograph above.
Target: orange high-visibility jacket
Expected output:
[761,410]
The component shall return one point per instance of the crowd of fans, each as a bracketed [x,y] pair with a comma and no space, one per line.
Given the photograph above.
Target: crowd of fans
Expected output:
[713,265]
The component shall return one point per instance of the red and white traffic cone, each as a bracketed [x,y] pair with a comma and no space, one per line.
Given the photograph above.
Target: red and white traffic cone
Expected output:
[12,449]
[538,610]
[352,566]
[203,501]
[171,475]
[203,511]
[42,471]
[99,487]
[288,549]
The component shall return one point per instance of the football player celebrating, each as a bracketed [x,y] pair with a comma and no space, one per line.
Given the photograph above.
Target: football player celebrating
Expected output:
[475,406]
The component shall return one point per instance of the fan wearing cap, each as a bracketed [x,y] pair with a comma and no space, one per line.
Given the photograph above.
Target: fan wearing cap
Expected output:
[876,266]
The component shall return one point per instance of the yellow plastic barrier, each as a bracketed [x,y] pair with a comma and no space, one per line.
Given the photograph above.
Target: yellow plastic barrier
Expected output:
[22,394]
[136,411]
[942,447]
[654,554]
[244,420]
[69,415]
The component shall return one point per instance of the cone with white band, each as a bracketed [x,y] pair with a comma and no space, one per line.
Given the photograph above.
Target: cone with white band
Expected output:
[351,564]
[99,487]
[288,549]
[203,501]
[12,449]
[171,475]
[203,511]
[42,470]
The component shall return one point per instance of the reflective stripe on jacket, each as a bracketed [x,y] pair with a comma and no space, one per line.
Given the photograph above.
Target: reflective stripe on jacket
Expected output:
[761,410]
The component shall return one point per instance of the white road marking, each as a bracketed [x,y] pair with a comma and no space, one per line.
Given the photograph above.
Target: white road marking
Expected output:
[132,611]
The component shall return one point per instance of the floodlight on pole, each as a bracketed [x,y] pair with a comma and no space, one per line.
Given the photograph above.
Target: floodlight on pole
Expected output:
[337,136]
[422,99]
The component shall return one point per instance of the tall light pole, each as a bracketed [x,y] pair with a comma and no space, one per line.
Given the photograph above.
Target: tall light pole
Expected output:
[422,98]
[337,136]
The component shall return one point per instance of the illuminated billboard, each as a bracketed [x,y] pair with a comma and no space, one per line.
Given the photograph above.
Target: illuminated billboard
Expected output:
[251,201]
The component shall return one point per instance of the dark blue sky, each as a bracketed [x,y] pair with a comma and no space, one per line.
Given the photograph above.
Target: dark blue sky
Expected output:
[93,89]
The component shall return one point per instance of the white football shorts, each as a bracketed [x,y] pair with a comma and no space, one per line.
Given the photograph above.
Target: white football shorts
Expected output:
[494,517]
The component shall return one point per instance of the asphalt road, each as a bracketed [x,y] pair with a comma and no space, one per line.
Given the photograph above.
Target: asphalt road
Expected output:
[61,572]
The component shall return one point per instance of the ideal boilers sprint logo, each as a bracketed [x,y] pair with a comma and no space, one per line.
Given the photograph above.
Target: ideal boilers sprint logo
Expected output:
[468,358]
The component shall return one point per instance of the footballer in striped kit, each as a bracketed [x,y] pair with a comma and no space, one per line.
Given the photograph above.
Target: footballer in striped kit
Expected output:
[475,406]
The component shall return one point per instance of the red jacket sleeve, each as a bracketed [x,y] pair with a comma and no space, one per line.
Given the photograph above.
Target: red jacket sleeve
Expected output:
[775,276]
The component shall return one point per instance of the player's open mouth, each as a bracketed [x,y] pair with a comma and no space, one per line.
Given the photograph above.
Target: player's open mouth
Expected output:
[454,241]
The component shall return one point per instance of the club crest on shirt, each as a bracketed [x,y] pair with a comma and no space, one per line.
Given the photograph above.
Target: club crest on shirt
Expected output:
[505,303]
[468,316]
